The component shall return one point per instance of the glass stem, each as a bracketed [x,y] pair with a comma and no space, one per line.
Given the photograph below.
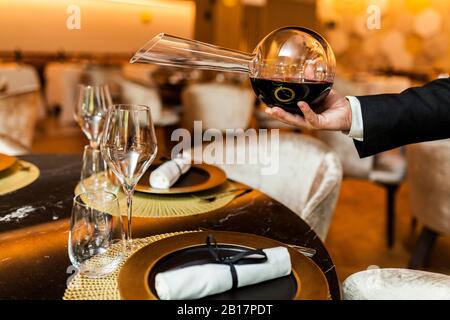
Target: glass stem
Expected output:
[129,191]
[93,144]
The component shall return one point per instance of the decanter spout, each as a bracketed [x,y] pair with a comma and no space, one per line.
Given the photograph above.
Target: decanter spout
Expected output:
[169,50]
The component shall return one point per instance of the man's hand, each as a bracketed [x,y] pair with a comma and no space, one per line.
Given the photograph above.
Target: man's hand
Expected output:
[334,114]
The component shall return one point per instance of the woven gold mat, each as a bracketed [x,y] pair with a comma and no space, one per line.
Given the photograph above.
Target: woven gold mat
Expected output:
[157,206]
[83,288]
[18,176]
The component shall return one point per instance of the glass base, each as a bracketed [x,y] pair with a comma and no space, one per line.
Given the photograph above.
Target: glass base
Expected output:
[101,265]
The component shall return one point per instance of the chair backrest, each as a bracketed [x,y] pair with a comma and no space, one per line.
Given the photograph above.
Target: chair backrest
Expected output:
[20,79]
[12,147]
[307,179]
[429,183]
[219,106]
[396,284]
[135,93]
[18,116]
[17,79]
[352,164]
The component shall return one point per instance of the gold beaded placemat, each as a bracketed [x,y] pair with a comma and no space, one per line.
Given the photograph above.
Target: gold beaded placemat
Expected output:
[81,287]
[20,175]
[159,206]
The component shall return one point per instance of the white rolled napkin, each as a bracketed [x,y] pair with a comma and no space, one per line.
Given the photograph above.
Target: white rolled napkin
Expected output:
[196,282]
[169,172]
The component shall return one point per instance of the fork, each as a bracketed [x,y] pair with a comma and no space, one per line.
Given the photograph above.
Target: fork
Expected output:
[307,252]
[223,194]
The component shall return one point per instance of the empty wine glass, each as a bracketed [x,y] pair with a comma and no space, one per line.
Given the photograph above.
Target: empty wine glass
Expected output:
[95,174]
[129,146]
[96,238]
[91,109]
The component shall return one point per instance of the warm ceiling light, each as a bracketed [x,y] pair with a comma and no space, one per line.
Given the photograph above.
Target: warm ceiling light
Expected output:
[149,3]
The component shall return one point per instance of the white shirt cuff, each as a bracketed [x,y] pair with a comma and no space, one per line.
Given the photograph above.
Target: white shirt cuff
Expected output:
[357,128]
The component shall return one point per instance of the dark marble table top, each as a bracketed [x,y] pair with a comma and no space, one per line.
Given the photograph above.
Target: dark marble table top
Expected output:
[33,245]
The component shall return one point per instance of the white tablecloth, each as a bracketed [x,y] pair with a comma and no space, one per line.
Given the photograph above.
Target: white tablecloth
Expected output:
[62,80]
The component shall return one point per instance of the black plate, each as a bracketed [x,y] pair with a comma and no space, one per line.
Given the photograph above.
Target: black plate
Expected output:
[200,177]
[278,289]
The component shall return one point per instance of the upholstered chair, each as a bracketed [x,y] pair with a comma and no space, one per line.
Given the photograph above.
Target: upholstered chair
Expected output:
[18,115]
[219,106]
[136,93]
[303,174]
[429,187]
[12,147]
[396,284]
[386,169]
[20,107]
[21,79]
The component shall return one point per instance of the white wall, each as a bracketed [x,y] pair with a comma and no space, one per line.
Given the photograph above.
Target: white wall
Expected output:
[115,26]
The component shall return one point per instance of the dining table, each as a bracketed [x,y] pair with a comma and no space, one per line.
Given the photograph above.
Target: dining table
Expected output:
[34,262]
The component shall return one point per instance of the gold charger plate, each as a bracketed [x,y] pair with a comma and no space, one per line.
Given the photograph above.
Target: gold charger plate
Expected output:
[200,177]
[135,277]
[18,176]
[6,161]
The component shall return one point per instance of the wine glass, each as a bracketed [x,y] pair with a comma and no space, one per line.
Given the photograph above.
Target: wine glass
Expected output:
[96,237]
[129,146]
[95,174]
[90,111]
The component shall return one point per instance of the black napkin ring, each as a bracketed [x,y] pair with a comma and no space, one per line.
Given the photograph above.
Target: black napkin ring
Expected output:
[248,256]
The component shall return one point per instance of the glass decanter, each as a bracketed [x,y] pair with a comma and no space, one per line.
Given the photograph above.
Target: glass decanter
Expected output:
[290,64]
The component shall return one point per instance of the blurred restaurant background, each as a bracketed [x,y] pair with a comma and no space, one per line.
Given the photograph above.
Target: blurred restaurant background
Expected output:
[393,208]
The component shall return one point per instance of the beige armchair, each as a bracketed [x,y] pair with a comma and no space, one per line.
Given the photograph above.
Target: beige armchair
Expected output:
[396,284]
[429,180]
[16,79]
[18,116]
[218,106]
[20,107]
[306,176]
[12,147]
[386,169]
[136,93]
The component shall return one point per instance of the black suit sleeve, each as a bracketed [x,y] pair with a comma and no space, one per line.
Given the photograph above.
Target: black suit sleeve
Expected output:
[415,115]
